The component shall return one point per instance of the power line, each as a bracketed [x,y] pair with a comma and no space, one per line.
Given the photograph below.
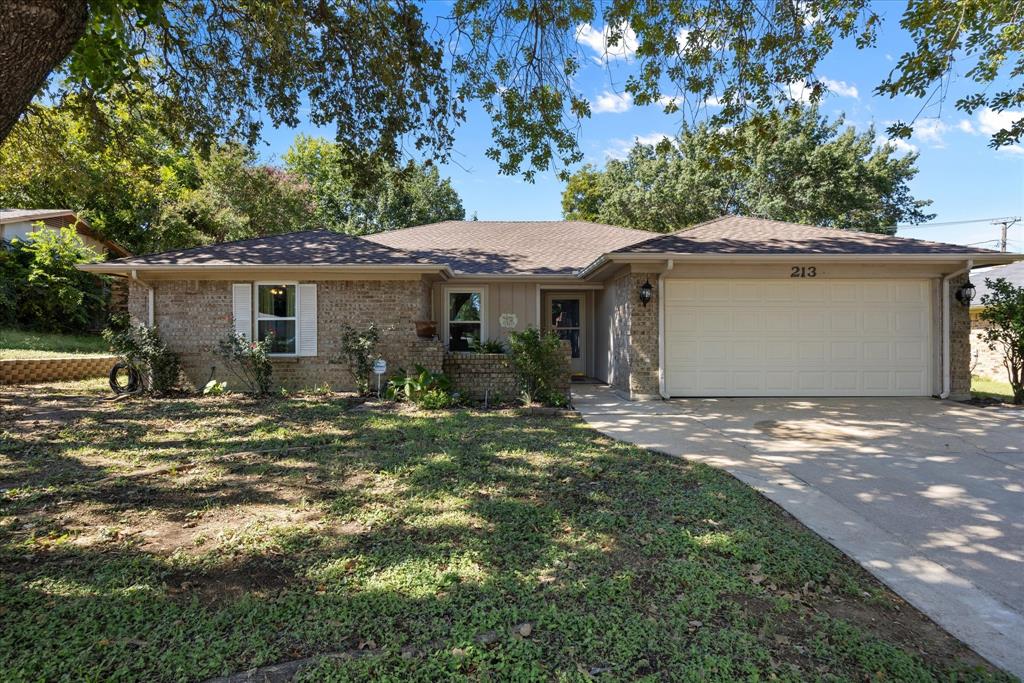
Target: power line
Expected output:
[919,226]
[1005,224]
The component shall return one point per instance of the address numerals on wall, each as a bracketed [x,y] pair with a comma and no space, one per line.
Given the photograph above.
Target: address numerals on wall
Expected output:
[803,271]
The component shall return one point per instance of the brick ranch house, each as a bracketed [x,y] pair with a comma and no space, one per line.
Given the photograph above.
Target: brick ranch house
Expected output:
[732,307]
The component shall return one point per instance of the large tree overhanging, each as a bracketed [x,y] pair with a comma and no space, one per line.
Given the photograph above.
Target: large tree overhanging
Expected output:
[392,84]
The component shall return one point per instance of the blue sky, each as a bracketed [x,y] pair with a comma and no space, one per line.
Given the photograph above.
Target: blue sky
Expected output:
[958,171]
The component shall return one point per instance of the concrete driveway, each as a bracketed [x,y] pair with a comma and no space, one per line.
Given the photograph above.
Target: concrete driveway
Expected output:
[928,495]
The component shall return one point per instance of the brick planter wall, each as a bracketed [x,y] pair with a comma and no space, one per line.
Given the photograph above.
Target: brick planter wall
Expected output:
[30,370]
[478,374]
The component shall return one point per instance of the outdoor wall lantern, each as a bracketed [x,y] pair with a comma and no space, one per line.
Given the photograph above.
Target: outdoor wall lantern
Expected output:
[646,293]
[965,293]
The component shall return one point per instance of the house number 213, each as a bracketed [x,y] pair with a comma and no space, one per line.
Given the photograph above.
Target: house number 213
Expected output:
[803,271]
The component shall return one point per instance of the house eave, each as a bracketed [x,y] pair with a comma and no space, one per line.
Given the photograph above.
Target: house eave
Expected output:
[979,258]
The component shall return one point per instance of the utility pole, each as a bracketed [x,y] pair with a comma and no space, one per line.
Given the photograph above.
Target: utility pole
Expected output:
[1005,224]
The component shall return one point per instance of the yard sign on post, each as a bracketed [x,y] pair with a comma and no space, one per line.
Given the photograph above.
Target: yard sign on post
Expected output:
[380,366]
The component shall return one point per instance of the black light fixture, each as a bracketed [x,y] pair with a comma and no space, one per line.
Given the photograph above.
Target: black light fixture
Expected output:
[646,293]
[965,293]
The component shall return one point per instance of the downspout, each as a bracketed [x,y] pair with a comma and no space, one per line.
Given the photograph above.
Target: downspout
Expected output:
[149,297]
[947,366]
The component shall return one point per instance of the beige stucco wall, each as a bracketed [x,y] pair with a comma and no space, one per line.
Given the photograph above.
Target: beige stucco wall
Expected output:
[193,315]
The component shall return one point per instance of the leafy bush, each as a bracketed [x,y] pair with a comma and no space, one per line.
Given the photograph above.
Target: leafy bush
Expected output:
[358,352]
[215,388]
[489,346]
[41,288]
[1004,313]
[248,361]
[430,390]
[143,348]
[538,362]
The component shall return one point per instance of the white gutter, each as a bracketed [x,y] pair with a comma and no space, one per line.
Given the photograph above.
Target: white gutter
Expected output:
[947,371]
[149,298]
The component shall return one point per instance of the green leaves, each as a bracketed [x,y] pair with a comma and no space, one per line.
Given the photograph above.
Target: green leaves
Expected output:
[797,167]
[1004,314]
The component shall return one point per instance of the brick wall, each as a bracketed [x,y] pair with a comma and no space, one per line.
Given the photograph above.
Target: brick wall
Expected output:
[193,315]
[959,345]
[479,374]
[985,362]
[634,359]
[29,370]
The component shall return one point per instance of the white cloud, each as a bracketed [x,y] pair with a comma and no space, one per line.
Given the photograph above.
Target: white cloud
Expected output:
[841,88]
[991,122]
[900,144]
[612,103]
[799,91]
[598,41]
[931,131]
[714,101]
[619,148]
[1011,149]
[682,37]
[666,100]
[966,126]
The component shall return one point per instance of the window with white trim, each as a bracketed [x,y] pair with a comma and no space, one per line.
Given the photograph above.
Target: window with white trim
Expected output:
[465,318]
[276,317]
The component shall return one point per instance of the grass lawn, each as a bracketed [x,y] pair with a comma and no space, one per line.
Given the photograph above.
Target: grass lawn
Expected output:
[985,387]
[26,344]
[403,546]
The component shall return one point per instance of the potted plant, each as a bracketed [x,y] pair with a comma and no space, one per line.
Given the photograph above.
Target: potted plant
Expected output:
[427,329]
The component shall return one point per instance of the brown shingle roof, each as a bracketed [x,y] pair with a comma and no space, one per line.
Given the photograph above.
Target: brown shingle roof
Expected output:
[512,247]
[316,247]
[743,235]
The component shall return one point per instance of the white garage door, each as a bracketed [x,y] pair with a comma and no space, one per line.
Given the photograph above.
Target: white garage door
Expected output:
[799,337]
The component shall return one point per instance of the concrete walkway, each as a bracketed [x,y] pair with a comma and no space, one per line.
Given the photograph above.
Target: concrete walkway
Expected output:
[927,495]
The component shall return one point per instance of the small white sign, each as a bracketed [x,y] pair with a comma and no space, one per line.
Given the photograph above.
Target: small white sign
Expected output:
[508,321]
[380,366]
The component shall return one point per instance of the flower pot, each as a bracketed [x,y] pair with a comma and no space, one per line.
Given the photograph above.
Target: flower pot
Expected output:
[426,329]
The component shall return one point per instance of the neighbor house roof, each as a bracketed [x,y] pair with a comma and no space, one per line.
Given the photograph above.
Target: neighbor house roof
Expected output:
[512,247]
[744,235]
[53,218]
[1012,273]
[305,248]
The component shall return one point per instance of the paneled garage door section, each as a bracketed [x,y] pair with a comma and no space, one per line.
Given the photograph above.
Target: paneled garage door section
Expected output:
[799,337]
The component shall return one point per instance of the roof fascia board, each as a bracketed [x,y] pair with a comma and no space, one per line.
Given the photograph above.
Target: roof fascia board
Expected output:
[125,268]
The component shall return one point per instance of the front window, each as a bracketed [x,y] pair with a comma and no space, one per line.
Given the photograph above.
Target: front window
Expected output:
[464,320]
[275,316]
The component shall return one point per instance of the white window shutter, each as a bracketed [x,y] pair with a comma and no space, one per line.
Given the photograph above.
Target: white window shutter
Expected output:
[241,308]
[307,320]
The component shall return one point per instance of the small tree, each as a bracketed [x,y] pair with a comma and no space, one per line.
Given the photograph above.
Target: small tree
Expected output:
[248,361]
[358,352]
[1004,312]
[539,364]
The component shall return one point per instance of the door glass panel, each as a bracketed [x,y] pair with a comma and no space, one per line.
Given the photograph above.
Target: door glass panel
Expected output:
[565,321]
[565,313]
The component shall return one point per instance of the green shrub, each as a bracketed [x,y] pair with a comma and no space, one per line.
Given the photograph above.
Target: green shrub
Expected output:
[248,361]
[489,346]
[215,388]
[436,399]
[430,390]
[143,348]
[538,362]
[1004,313]
[358,352]
[42,289]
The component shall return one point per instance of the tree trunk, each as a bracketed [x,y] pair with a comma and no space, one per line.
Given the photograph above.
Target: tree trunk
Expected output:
[35,37]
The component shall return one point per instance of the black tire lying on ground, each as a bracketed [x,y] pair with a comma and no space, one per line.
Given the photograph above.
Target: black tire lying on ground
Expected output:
[133,384]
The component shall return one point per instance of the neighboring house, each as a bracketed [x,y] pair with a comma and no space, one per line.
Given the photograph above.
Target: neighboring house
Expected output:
[988,362]
[736,306]
[18,223]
